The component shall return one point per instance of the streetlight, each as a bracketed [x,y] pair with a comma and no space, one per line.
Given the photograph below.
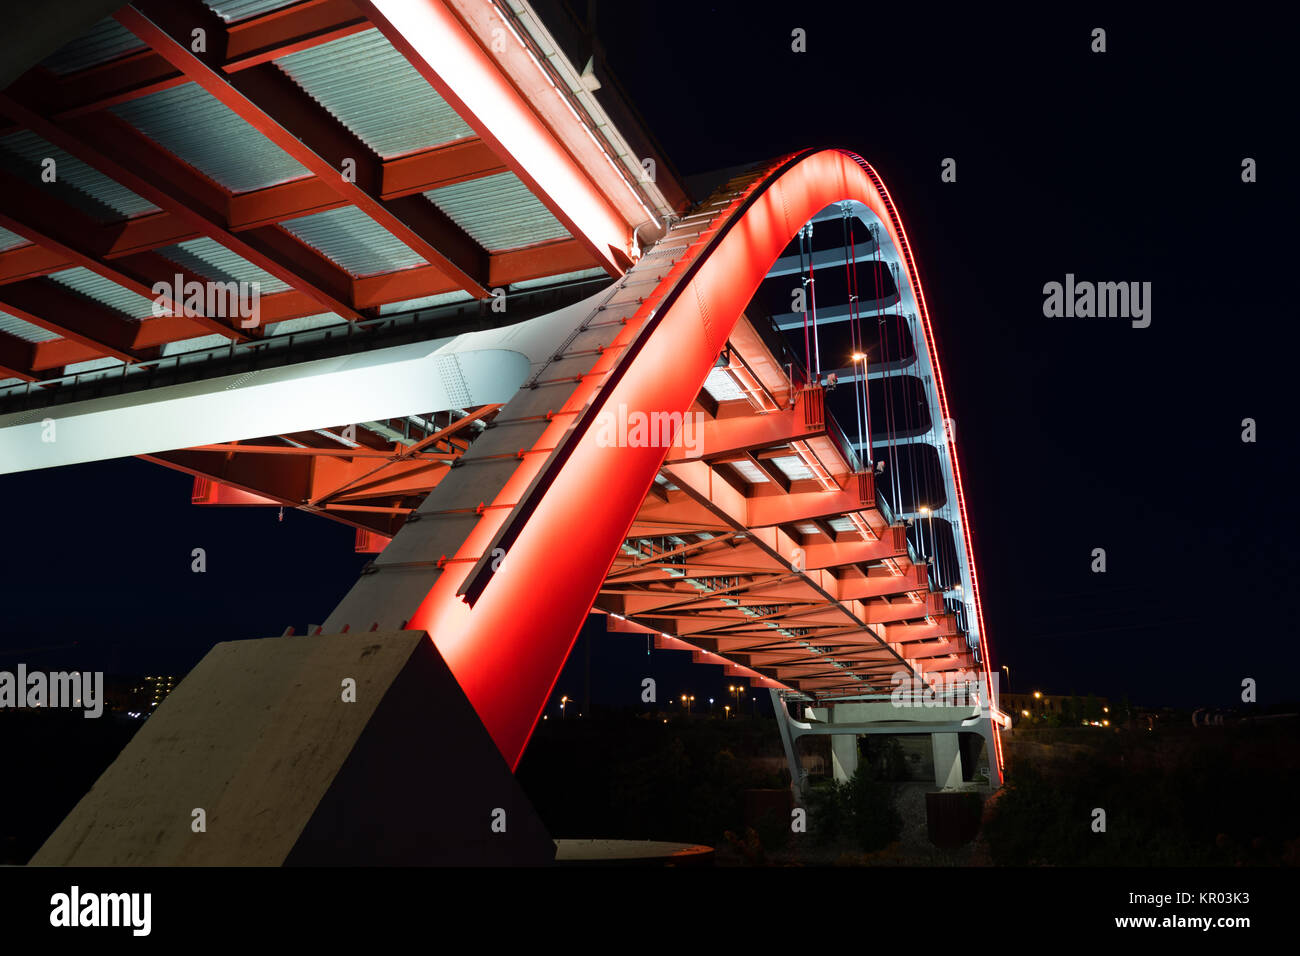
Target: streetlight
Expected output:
[860,401]
[563,700]
[726,712]
[934,550]
[710,705]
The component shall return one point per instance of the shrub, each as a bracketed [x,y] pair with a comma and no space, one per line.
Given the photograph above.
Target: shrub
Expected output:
[861,811]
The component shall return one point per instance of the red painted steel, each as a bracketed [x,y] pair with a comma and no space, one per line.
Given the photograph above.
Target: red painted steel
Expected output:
[507,661]
[448,55]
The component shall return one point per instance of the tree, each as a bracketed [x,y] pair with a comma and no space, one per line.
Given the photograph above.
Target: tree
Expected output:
[1092,709]
[863,809]
[874,818]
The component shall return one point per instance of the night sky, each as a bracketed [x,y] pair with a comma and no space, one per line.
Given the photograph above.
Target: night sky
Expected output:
[1074,433]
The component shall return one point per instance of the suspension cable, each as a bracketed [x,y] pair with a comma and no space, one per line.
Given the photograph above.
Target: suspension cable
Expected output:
[803,282]
[882,328]
[853,323]
[864,396]
[909,403]
[917,470]
[812,298]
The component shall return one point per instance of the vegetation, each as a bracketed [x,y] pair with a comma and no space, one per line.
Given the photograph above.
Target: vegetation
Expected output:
[861,811]
[1218,796]
[628,777]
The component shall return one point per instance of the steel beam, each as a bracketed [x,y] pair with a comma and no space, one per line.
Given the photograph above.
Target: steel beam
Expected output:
[122,153]
[45,303]
[258,39]
[447,53]
[278,108]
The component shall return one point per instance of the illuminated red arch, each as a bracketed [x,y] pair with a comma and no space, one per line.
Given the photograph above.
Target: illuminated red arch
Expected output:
[562,516]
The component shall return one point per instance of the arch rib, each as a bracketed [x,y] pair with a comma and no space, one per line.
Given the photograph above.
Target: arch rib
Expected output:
[505,611]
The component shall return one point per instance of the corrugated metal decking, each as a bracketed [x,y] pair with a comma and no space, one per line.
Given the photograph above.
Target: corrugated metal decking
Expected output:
[372,90]
[106,40]
[24,330]
[352,239]
[233,11]
[212,260]
[11,240]
[111,294]
[498,212]
[197,127]
[76,183]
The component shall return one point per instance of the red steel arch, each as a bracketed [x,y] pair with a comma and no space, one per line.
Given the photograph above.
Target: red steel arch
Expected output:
[508,607]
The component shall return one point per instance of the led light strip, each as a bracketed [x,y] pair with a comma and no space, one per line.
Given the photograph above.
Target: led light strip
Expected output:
[506,18]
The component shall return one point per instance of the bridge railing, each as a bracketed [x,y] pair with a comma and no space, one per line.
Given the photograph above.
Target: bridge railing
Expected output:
[341,337]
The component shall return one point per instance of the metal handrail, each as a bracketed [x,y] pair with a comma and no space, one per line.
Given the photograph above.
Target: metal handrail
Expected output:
[439,319]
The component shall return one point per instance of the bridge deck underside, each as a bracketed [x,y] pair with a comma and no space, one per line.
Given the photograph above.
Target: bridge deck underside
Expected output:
[745,529]
[761,547]
[309,151]
[758,547]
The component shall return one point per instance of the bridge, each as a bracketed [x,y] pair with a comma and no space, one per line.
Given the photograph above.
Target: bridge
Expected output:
[408,266]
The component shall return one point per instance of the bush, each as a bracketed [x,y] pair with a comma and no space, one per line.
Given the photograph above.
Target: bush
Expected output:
[861,811]
[874,819]
[1177,799]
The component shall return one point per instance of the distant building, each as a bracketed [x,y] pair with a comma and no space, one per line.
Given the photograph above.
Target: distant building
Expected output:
[136,695]
[1040,707]
[157,688]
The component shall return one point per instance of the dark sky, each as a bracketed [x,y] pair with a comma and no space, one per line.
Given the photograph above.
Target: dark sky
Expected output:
[1075,434]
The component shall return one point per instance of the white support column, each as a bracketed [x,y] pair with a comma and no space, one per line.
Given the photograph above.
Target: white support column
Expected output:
[844,756]
[790,743]
[947,760]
